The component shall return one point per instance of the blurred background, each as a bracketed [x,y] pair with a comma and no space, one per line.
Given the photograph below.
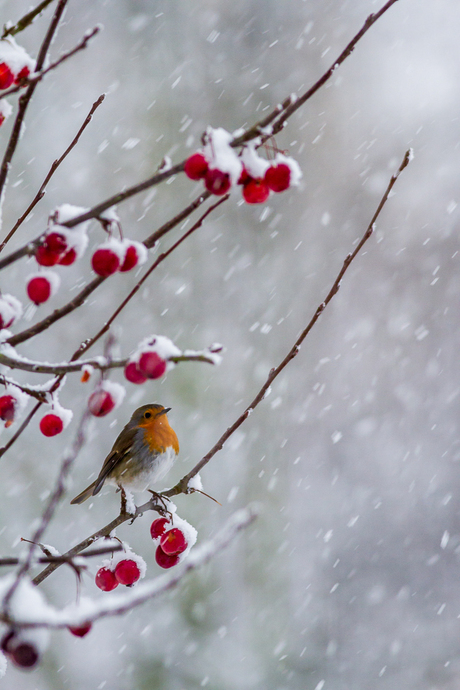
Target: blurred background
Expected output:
[350,577]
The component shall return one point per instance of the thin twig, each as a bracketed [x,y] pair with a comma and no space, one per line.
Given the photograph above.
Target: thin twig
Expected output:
[30,248]
[26,20]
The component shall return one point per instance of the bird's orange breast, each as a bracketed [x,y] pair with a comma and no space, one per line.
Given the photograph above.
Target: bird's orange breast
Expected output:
[159,435]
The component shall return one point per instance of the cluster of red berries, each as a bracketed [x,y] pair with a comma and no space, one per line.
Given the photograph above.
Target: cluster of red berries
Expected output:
[145,365]
[171,542]
[117,255]
[8,78]
[257,182]
[126,572]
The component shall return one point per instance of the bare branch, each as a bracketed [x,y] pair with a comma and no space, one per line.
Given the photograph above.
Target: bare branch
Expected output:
[62,559]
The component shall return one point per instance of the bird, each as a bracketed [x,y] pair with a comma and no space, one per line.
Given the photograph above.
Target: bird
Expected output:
[143,453]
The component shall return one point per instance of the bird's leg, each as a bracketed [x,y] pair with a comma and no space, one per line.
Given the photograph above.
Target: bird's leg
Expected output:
[162,503]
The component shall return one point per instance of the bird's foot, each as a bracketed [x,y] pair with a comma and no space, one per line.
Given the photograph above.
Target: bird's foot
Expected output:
[162,503]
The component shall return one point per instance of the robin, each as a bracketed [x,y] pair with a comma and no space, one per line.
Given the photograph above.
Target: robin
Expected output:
[142,454]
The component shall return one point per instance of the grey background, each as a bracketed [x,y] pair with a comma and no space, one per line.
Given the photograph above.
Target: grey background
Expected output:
[350,578]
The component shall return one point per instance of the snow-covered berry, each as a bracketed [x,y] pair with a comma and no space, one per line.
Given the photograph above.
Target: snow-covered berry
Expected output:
[51,424]
[278,177]
[51,250]
[256,191]
[164,560]
[217,182]
[127,572]
[68,258]
[22,74]
[81,630]
[136,255]
[8,404]
[133,374]
[106,580]
[100,403]
[196,166]
[151,365]
[173,542]
[6,76]
[158,527]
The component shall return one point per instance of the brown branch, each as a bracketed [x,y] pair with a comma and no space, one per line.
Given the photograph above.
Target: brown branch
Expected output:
[182,485]
[31,247]
[26,20]
[24,100]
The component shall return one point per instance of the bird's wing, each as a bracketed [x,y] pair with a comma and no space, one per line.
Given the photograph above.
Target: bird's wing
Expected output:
[121,448]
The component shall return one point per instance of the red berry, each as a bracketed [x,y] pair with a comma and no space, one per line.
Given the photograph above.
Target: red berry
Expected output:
[158,527]
[131,259]
[51,424]
[81,631]
[217,182]
[196,166]
[278,177]
[7,407]
[106,580]
[151,365]
[23,74]
[105,262]
[133,374]
[6,76]
[39,289]
[164,560]
[127,572]
[100,403]
[173,542]
[2,119]
[68,258]
[23,654]
[256,191]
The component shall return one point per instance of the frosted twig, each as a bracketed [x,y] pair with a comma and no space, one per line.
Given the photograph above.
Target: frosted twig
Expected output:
[62,558]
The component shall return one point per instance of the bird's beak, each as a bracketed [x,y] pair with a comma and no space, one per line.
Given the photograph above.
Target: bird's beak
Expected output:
[165,411]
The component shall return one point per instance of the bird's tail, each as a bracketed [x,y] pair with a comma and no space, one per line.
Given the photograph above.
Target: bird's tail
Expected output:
[84,494]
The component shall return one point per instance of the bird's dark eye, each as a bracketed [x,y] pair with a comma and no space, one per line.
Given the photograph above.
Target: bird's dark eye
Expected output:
[147,415]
